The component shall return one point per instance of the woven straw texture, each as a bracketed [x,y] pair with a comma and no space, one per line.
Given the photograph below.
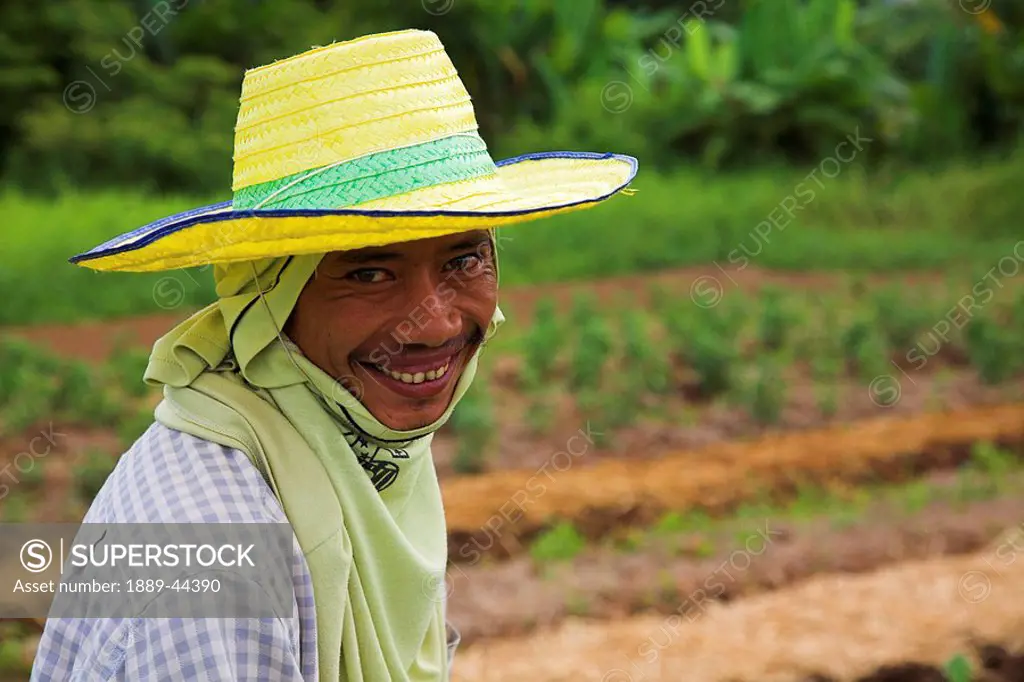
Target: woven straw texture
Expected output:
[363,143]
[252,236]
[338,103]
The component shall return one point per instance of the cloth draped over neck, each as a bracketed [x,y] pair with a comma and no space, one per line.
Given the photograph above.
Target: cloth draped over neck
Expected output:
[362,498]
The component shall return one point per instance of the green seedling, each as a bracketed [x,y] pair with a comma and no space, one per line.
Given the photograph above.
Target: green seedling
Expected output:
[127,366]
[92,472]
[473,422]
[916,495]
[541,344]
[958,669]
[560,543]
[993,351]
[765,394]
[132,426]
[593,349]
[540,413]
[775,320]
[643,360]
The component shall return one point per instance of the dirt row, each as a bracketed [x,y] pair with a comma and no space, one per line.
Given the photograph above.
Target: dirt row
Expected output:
[838,626]
[495,514]
[684,572]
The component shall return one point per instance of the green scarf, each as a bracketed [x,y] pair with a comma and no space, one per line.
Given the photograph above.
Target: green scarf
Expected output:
[376,544]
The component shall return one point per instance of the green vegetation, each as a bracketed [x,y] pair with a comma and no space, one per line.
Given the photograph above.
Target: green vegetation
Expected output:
[754,82]
[989,472]
[92,472]
[37,387]
[560,543]
[620,360]
[857,222]
[593,345]
[748,350]
[958,669]
[473,422]
[541,344]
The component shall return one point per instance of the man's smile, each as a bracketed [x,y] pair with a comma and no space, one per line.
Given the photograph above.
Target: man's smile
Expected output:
[421,374]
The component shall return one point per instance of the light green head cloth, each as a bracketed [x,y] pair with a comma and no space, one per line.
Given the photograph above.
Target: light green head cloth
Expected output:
[363,499]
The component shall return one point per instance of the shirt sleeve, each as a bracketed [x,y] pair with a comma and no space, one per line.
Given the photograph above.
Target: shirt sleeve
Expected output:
[186,649]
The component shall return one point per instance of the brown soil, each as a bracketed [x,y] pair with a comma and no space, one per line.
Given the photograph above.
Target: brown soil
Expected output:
[95,341]
[500,511]
[836,626]
[996,665]
[740,558]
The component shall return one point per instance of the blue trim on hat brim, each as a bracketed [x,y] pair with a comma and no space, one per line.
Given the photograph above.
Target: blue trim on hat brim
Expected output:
[214,213]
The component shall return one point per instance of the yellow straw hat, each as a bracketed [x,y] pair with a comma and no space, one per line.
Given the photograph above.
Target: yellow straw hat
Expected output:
[362,143]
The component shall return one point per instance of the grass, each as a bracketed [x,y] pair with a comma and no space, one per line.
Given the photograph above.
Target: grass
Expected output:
[989,473]
[38,387]
[560,543]
[958,669]
[473,422]
[856,221]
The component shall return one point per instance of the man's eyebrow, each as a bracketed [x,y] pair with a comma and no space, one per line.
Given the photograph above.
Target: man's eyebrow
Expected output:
[470,243]
[375,256]
[368,256]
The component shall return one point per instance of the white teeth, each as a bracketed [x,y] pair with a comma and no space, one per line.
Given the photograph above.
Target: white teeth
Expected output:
[418,377]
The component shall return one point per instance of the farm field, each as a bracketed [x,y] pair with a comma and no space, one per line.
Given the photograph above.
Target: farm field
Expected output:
[759,417]
[749,462]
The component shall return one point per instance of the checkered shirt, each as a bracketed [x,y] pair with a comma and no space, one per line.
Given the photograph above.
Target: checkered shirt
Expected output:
[173,477]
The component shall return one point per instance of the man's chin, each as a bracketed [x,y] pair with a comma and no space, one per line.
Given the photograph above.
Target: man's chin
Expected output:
[406,417]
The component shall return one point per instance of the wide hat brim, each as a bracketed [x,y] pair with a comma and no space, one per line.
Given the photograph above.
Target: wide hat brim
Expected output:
[523,188]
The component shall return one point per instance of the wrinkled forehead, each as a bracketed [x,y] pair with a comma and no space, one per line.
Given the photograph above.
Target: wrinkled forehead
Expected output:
[420,249]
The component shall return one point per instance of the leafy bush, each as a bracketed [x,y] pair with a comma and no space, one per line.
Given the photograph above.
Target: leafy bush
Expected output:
[542,343]
[36,386]
[993,350]
[92,472]
[759,80]
[958,669]
[473,422]
[899,321]
[765,394]
[641,357]
[560,543]
[131,427]
[593,344]
[128,365]
[775,319]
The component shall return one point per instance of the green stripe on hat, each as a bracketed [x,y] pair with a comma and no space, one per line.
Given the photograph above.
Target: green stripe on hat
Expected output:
[375,176]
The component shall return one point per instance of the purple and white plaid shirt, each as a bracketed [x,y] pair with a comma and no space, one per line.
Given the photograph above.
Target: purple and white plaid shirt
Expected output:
[173,477]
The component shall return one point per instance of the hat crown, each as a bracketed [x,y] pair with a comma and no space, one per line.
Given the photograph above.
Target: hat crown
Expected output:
[345,101]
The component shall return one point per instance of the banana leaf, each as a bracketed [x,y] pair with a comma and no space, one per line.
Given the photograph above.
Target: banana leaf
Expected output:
[698,50]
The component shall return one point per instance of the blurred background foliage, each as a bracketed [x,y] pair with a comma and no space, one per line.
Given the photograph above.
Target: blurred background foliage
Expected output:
[719,83]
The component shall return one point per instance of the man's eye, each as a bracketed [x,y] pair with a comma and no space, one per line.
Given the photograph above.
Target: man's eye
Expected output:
[369,275]
[468,263]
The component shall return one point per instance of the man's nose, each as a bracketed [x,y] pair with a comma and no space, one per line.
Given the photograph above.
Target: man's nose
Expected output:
[431,318]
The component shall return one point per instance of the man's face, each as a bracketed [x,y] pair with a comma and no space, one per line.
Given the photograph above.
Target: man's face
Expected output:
[402,320]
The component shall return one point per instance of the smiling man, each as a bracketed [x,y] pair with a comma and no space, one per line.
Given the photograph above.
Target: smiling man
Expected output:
[357,282]
[405,360]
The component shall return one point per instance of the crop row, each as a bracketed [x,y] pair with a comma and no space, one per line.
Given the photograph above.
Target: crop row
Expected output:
[623,362]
